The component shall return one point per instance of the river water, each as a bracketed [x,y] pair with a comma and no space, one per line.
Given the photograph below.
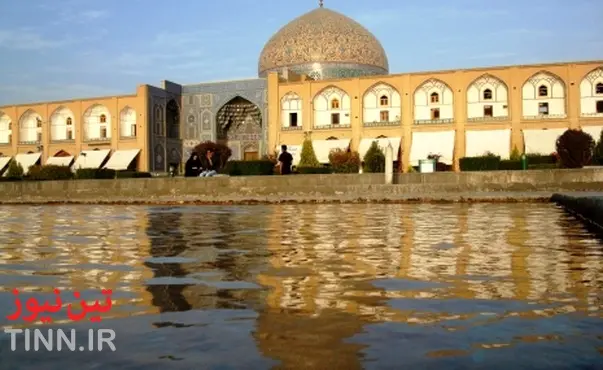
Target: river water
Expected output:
[497,286]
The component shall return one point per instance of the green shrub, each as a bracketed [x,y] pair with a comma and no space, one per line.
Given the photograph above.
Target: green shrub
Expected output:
[343,161]
[49,172]
[308,157]
[249,168]
[132,175]
[15,170]
[374,159]
[488,162]
[94,173]
[541,158]
[575,148]
[543,166]
[509,165]
[313,170]
[598,155]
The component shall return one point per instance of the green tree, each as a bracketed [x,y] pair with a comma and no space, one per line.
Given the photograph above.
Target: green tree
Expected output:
[308,157]
[15,170]
[374,159]
[515,155]
[598,157]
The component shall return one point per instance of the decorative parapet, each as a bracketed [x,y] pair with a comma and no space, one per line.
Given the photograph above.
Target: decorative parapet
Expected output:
[331,127]
[434,121]
[291,128]
[488,119]
[545,117]
[381,124]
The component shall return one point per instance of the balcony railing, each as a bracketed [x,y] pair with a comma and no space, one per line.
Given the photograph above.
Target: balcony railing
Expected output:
[331,127]
[127,137]
[97,139]
[591,114]
[30,142]
[291,128]
[488,119]
[546,116]
[381,123]
[434,121]
[62,140]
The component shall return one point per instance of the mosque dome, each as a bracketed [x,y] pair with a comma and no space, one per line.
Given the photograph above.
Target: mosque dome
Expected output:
[324,44]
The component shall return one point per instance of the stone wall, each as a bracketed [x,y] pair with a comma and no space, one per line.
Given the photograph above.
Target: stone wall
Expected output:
[303,187]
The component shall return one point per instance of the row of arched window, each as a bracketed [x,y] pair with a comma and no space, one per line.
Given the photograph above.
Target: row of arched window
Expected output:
[543,96]
[97,125]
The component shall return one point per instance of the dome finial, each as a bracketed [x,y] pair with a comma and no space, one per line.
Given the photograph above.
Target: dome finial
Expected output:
[320,3]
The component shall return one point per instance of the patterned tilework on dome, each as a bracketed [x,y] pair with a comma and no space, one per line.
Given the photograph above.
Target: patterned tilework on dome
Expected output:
[312,42]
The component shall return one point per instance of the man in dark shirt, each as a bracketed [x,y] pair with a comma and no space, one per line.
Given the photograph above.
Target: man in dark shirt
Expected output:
[285,159]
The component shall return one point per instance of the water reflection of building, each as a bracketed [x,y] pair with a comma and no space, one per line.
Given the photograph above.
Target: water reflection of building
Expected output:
[322,268]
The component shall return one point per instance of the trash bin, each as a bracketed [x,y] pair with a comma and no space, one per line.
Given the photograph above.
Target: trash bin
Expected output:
[427,165]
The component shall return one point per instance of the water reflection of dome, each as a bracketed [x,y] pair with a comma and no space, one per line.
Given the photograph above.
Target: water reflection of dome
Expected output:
[324,44]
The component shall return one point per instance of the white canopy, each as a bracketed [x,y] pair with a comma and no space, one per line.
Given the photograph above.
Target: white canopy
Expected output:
[594,131]
[322,148]
[121,159]
[432,142]
[4,161]
[60,161]
[365,144]
[497,142]
[295,151]
[27,160]
[91,158]
[539,141]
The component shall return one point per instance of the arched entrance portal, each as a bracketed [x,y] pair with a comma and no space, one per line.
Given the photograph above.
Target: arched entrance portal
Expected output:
[239,125]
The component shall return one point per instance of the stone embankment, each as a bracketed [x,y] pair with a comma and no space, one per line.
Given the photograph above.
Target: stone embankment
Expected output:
[499,186]
[588,207]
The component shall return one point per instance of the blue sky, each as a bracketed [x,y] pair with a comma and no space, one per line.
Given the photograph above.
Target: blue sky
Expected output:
[61,49]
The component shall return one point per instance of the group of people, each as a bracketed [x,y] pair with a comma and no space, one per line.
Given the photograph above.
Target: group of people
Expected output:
[207,166]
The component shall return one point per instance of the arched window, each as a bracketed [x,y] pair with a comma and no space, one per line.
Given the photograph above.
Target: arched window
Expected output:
[599,88]
[334,104]
[38,122]
[435,97]
[384,100]
[543,91]
[487,94]
[103,118]
[69,121]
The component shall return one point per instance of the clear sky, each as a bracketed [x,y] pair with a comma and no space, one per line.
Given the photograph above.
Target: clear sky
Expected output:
[60,49]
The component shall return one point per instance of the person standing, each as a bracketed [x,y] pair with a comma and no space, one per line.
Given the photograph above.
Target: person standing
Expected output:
[285,160]
[193,166]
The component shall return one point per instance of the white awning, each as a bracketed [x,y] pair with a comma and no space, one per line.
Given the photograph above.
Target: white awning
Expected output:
[121,159]
[4,161]
[60,161]
[542,141]
[91,158]
[594,131]
[433,142]
[479,142]
[294,150]
[365,144]
[322,148]
[27,160]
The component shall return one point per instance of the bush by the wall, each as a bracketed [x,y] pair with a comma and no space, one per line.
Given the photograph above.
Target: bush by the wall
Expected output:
[374,159]
[15,170]
[575,148]
[343,161]
[541,159]
[132,175]
[49,172]
[313,170]
[598,154]
[509,165]
[308,157]
[489,162]
[249,168]
[94,173]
